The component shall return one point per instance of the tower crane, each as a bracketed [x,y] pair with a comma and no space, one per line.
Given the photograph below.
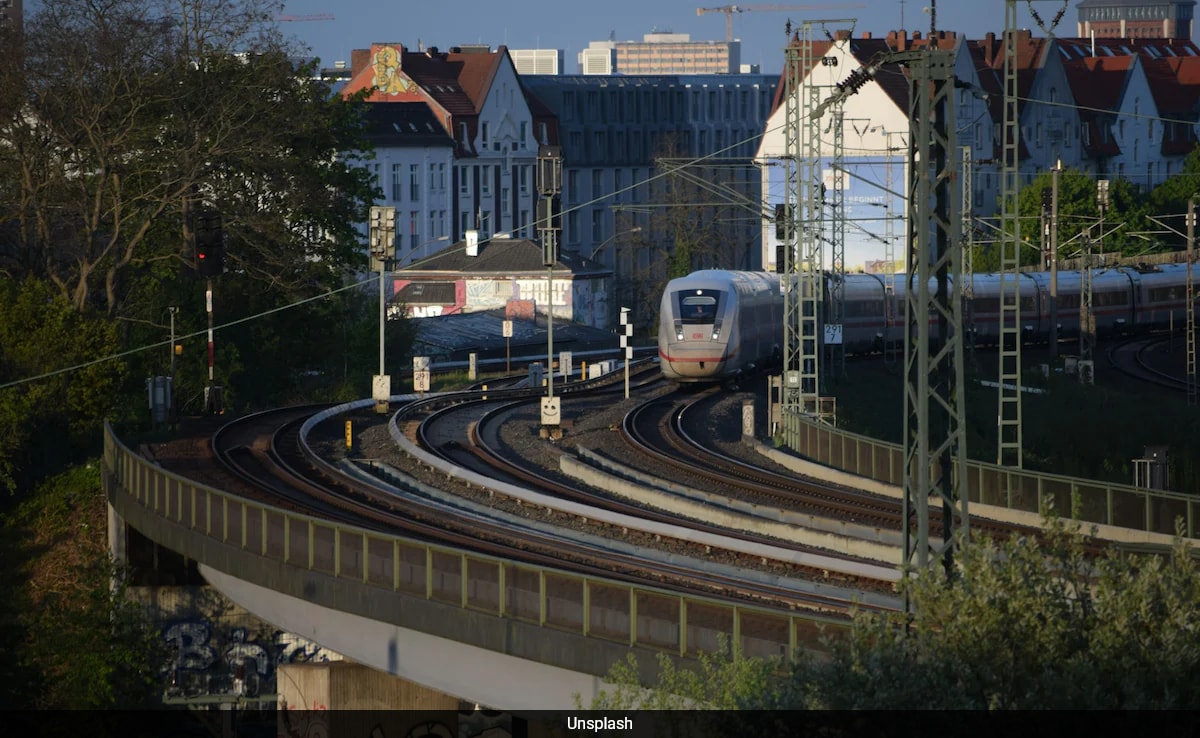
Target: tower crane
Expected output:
[315,17]
[729,10]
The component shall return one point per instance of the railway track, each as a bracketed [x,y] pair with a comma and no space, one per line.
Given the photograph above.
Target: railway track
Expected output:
[268,451]
[1132,357]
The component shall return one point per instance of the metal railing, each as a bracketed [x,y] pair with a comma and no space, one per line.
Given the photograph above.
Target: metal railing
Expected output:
[586,606]
[1102,503]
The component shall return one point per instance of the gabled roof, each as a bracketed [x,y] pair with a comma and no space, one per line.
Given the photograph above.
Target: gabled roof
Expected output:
[454,84]
[507,256]
[458,81]
[891,77]
[1097,86]
[403,124]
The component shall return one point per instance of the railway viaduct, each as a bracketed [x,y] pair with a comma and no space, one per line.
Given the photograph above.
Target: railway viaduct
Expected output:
[521,637]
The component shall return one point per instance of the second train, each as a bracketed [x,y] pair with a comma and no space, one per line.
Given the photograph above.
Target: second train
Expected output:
[716,325]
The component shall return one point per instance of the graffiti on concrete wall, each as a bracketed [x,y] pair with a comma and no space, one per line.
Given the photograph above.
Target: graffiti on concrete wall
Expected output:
[207,660]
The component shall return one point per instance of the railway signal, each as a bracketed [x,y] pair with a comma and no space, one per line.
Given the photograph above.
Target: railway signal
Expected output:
[209,238]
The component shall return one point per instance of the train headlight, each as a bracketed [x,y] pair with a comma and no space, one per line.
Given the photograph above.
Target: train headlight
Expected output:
[679,336]
[716,334]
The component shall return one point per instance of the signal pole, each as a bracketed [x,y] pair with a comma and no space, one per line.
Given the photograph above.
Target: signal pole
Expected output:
[382,239]
[210,262]
[549,184]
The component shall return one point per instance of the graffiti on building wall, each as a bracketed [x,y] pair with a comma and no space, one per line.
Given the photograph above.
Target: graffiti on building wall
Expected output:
[212,660]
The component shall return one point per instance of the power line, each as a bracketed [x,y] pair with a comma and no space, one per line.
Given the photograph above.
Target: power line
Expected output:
[160,344]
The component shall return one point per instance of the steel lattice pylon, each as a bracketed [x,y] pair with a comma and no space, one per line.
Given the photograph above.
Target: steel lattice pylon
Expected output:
[1009,392]
[934,399]
[836,200]
[801,271]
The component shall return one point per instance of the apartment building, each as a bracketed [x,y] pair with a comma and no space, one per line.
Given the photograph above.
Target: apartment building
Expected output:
[1110,107]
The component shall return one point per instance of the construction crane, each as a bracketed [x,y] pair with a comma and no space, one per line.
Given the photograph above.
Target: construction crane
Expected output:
[729,10]
[316,17]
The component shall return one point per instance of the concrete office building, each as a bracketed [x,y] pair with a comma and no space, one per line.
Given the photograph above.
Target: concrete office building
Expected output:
[537,61]
[661,53]
[1158,19]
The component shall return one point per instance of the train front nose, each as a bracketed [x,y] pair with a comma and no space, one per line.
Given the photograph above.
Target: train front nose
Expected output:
[695,349]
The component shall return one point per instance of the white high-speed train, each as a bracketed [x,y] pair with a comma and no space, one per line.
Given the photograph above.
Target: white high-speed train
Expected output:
[715,325]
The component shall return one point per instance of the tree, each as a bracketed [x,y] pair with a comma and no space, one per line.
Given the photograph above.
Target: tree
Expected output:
[1078,218]
[71,637]
[138,112]
[1031,622]
[47,422]
[700,208]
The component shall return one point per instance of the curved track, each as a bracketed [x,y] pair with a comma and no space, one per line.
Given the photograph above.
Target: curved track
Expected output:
[266,450]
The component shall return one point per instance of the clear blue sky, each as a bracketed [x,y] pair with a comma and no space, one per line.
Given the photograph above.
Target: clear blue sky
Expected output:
[571,24]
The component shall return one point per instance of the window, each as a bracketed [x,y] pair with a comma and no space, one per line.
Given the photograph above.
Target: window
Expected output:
[597,179]
[464,182]
[485,180]
[524,134]
[414,221]
[414,182]
[441,177]
[464,221]
[597,225]
[573,226]
[397,174]
[483,136]
[523,179]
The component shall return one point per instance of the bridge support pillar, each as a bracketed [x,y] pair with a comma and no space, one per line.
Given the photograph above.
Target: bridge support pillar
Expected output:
[116,536]
[345,687]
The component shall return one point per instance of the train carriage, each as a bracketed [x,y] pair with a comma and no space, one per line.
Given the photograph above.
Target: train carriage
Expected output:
[717,324]
[1160,297]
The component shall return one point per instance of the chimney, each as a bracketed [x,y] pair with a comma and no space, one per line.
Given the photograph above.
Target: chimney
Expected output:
[472,243]
[866,35]
[989,48]
[842,35]
[360,59]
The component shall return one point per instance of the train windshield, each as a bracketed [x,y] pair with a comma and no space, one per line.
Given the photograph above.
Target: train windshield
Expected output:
[698,306]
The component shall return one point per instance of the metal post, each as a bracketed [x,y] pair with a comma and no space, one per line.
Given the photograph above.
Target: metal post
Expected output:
[172,310]
[208,306]
[382,315]
[1190,312]
[1054,260]
[550,321]
[626,349]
